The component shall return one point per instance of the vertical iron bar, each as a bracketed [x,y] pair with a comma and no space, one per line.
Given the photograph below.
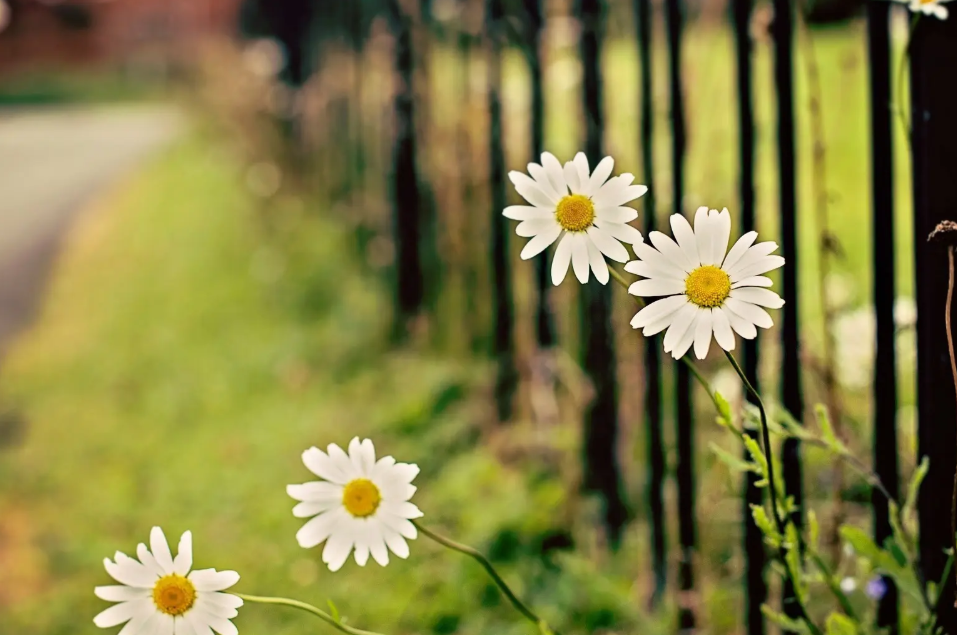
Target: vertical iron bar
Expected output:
[684,406]
[602,472]
[502,342]
[755,585]
[885,375]
[934,146]
[653,406]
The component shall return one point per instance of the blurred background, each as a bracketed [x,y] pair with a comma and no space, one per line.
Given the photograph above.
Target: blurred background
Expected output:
[233,229]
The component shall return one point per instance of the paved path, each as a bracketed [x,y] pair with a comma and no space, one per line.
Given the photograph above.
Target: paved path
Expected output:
[52,161]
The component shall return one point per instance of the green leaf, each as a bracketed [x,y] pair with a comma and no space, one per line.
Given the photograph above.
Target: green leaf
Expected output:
[862,544]
[334,611]
[754,450]
[913,487]
[724,408]
[838,624]
[813,529]
[785,622]
[733,462]
[761,520]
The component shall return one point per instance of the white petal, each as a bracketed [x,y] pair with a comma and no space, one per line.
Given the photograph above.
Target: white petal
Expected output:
[722,329]
[761,297]
[377,546]
[400,525]
[308,509]
[680,323]
[740,248]
[702,335]
[123,612]
[225,600]
[120,593]
[741,326]
[197,622]
[597,262]
[657,260]
[395,542]
[130,572]
[530,191]
[654,287]
[222,626]
[616,192]
[337,549]
[402,509]
[768,263]
[141,622]
[160,549]
[684,343]
[657,326]
[671,251]
[534,227]
[315,491]
[184,554]
[540,243]
[704,236]
[581,164]
[562,259]
[754,314]
[149,561]
[320,464]
[342,461]
[527,212]
[601,174]
[571,177]
[657,310]
[617,214]
[753,255]
[625,233]
[404,472]
[164,624]
[540,174]
[683,233]
[396,490]
[580,257]
[721,225]
[555,174]
[940,11]
[608,245]
[754,281]
[320,528]
[645,269]
[213,580]
[361,549]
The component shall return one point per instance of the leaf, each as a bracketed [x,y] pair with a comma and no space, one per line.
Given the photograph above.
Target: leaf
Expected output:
[913,487]
[862,544]
[838,624]
[785,622]
[756,455]
[827,430]
[334,611]
[813,529]
[761,520]
[724,408]
[733,462]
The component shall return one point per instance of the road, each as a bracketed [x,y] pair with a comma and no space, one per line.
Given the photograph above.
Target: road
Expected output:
[52,162]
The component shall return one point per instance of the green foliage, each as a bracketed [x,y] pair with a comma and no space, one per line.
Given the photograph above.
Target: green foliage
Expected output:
[838,624]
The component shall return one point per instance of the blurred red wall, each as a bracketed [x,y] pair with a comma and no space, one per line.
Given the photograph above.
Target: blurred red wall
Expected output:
[66,33]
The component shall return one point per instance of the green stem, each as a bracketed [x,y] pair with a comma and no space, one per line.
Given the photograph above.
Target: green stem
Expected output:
[834,585]
[684,360]
[520,606]
[308,608]
[901,66]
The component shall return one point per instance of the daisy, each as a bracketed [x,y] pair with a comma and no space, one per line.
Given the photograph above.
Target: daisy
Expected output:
[708,292]
[935,8]
[586,209]
[158,595]
[361,503]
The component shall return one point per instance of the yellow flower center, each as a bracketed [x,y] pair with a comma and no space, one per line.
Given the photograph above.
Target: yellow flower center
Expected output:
[928,1]
[361,497]
[708,286]
[575,213]
[173,594]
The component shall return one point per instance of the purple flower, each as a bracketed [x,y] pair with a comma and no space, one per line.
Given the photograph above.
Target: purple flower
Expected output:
[876,588]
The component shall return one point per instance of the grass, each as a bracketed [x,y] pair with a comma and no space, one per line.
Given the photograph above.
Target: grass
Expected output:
[195,341]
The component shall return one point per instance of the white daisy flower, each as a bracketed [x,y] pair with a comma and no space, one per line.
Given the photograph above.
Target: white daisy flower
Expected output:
[592,217]
[934,8]
[708,292]
[158,595]
[360,503]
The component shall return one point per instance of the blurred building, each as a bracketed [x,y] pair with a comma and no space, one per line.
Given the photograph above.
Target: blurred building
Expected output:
[36,34]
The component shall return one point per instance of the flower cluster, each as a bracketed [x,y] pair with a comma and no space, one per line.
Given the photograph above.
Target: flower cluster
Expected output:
[707,291]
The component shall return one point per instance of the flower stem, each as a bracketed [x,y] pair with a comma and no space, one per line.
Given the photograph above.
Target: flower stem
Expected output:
[691,367]
[520,606]
[308,608]
[953,370]
[769,457]
[902,116]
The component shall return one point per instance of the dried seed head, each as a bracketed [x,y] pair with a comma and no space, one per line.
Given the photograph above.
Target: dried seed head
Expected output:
[944,234]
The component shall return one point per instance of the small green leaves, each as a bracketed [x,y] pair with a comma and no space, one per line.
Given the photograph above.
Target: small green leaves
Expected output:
[785,622]
[913,487]
[838,624]
[733,462]
[334,611]
[762,522]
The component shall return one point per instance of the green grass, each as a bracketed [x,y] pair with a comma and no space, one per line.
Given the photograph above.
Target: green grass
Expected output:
[60,87]
[171,381]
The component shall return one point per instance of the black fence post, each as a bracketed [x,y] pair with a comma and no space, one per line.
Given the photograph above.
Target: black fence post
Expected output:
[653,406]
[503,347]
[602,471]
[933,53]
[755,585]
[885,374]
[683,399]
[791,395]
